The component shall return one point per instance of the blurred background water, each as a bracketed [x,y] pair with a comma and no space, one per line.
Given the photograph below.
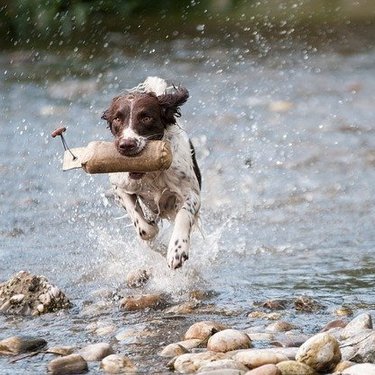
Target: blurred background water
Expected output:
[282,116]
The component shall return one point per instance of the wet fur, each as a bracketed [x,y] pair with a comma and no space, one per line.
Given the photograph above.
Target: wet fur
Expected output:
[173,194]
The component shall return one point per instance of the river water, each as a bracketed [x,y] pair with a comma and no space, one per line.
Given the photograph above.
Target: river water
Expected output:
[285,138]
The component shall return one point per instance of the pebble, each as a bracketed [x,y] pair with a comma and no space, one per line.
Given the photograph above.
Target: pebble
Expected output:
[280,106]
[173,350]
[360,369]
[360,348]
[295,368]
[224,371]
[203,330]
[264,315]
[183,308]
[265,370]
[222,364]
[253,358]
[338,323]
[280,326]
[191,362]
[61,350]
[341,366]
[358,324]
[117,364]
[141,302]
[21,344]
[321,352]
[95,352]
[70,364]
[137,278]
[227,340]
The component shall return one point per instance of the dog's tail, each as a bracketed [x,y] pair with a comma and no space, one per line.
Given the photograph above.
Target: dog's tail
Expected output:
[152,84]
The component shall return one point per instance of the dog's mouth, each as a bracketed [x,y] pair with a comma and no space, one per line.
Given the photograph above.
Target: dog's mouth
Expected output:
[136,175]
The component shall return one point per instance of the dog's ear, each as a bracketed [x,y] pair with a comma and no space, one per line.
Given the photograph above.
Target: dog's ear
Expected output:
[105,115]
[170,104]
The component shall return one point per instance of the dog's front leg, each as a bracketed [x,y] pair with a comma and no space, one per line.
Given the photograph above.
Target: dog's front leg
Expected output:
[146,230]
[178,249]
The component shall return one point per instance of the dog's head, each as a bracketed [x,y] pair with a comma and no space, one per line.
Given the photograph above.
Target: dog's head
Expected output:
[138,117]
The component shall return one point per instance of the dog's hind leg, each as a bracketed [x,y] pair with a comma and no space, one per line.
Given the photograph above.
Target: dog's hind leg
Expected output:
[146,229]
[178,248]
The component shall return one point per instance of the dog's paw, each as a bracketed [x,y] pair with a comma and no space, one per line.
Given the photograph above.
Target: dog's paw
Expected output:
[147,231]
[178,253]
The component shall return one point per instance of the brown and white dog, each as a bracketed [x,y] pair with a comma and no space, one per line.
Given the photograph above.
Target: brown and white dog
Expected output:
[148,112]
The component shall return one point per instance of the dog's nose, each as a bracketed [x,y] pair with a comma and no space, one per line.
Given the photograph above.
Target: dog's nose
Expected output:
[128,145]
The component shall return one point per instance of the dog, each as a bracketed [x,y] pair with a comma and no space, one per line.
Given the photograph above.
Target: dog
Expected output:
[149,112]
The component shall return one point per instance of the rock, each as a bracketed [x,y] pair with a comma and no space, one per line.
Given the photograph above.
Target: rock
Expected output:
[21,344]
[141,302]
[227,340]
[70,364]
[95,352]
[275,304]
[105,330]
[358,324]
[223,364]
[137,278]
[260,336]
[306,304]
[264,315]
[117,364]
[191,362]
[265,370]
[295,368]
[280,326]
[321,352]
[338,323]
[173,350]
[289,340]
[361,369]
[183,308]
[280,106]
[27,294]
[191,343]
[341,366]
[344,311]
[61,350]
[360,348]
[253,358]
[223,371]
[203,330]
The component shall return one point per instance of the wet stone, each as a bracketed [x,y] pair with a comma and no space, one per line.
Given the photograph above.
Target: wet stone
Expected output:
[295,368]
[222,364]
[142,302]
[321,352]
[359,348]
[253,358]
[117,364]
[61,350]
[280,326]
[173,350]
[70,364]
[27,294]
[360,369]
[21,344]
[95,352]
[137,278]
[191,362]
[227,340]
[203,330]
[338,323]
[359,323]
[265,370]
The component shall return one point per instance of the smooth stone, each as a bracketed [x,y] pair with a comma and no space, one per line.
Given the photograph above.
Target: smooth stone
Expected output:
[264,315]
[183,308]
[173,350]
[141,302]
[265,370]
[228,340]
[360,348]
[275,304]
[253,358]
[338,323]
[70,364]
[223,371]
[260,336]
[21,344]
[358,324]
[280,106]
[321,352]
[341,366]
[61,350]
[105,330]
[137,278]
[287,340]
[203,330]
[191,362]
[344,311]
[95,352]
[117,364]
[295,368]
[280,326]
[191,343]
[222,364]
[360,369]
